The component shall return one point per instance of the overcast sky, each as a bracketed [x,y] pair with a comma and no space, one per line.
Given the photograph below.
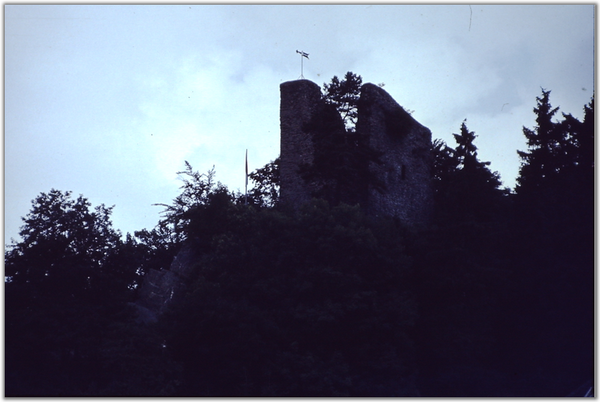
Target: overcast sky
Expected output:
[108,101]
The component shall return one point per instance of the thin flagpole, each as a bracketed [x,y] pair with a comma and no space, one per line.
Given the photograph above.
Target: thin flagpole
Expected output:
[246,202]
[302,56]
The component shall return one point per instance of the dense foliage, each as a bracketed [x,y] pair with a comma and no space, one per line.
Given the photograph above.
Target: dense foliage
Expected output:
[66,287]
[342,155]
[494,298]
[553,234]
[344,95]
[265,192]
[311,304]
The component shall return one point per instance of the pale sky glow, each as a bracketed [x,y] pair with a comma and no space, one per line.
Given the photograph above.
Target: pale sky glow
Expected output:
[108,101]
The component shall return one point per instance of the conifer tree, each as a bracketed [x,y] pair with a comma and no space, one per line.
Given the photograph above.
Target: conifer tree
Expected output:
[466,189]
[546,142]
[344,96]
[553,245]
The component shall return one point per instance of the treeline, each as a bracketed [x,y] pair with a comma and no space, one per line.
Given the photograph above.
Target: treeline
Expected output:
[507,278]
[494,298]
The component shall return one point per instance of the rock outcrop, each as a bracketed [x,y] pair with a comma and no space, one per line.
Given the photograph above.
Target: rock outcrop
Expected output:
[160,286]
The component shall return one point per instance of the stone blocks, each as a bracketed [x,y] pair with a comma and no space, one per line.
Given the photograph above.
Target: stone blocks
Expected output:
[406,162]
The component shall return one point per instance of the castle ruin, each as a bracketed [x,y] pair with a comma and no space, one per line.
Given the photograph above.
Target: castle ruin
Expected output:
[405,171]
[406,162]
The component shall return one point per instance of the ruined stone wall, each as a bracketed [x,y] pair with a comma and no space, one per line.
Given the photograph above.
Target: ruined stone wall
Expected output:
[407,162]
[300,101]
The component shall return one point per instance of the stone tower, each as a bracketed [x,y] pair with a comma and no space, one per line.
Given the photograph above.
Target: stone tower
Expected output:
[405,145]
[407,162]
[300,101]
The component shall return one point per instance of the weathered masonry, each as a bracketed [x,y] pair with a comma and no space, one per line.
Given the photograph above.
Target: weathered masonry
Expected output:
[406,162]
[300,101]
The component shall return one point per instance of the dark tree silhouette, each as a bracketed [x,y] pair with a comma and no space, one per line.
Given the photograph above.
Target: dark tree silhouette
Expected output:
[64,245]
[63,285]
[342,156]
[265,192]
[344,96]
[309,303]
[547,144]
[553,244]
[465,188]
[459,274]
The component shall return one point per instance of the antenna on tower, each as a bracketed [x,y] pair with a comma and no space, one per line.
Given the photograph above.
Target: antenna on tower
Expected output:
[302,56]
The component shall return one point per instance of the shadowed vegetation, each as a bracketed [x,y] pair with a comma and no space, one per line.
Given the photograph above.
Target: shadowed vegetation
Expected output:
[495,298]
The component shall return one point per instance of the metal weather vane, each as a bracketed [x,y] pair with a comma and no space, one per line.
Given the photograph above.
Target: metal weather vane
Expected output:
[302,56]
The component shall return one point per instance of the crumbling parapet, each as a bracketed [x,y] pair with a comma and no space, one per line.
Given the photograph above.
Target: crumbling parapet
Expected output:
[406,161]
